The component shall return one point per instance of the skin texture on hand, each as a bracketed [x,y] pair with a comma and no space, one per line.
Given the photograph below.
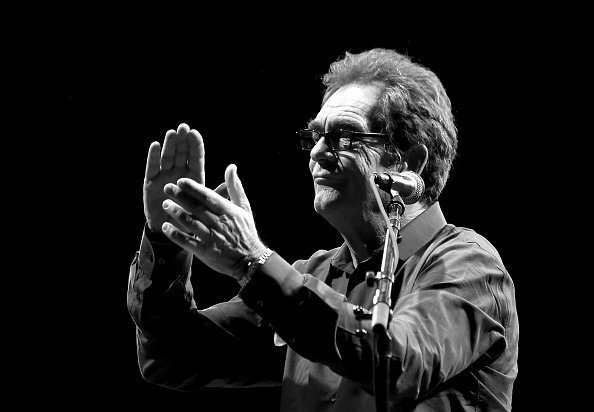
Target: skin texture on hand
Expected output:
[220,232]
[182,155]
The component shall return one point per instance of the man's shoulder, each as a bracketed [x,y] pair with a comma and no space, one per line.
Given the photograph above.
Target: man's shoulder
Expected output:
[466,235]
[462,241]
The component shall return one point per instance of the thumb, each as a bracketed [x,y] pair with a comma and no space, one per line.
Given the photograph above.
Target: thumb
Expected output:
[235,188]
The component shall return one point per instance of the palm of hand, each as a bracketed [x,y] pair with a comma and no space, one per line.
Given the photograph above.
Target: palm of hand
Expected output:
[154,196]
[182,156]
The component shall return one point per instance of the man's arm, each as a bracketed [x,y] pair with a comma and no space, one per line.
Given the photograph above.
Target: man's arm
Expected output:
[178,345]
[455,313]
[185,348]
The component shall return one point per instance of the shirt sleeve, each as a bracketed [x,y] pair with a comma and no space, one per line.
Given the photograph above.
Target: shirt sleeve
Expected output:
[181,347]
[453,315]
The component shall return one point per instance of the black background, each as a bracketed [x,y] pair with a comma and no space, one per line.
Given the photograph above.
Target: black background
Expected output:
[104,98]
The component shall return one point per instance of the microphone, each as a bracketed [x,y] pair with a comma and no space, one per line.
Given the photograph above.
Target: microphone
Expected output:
[409,185]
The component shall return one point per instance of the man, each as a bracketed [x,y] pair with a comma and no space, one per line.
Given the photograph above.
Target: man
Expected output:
[453,330]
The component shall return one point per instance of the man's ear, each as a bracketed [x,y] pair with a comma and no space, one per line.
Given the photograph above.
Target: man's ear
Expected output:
[415,158]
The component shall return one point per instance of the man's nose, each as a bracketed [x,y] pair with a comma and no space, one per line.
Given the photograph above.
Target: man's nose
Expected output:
[321,151]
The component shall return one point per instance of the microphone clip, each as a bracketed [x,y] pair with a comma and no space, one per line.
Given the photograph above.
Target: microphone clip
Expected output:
[395,211]
[384,181]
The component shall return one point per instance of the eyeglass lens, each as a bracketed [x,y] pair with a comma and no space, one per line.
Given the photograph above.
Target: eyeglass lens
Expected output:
[335,139]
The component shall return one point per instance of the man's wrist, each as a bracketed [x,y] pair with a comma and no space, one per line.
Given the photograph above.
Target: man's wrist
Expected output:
[156,235]
[253,265]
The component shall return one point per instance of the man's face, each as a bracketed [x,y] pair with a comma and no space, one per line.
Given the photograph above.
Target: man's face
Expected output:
[341,179]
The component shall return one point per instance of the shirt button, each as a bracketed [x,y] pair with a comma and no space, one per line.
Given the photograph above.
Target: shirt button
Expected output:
[259,304]
[333,398]
[161,261]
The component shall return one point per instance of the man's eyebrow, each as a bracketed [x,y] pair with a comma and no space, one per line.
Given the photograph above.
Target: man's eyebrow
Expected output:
[347,124]
[338,124]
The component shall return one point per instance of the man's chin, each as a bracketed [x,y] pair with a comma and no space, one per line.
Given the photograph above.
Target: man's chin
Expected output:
[326,200]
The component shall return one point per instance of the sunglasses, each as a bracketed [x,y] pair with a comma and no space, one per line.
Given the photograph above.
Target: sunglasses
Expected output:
[336,140]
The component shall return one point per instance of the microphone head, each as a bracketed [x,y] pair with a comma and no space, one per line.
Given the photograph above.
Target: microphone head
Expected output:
[419,187]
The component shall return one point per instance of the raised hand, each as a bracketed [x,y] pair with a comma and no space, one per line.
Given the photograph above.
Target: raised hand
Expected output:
[220,232]
[182,156]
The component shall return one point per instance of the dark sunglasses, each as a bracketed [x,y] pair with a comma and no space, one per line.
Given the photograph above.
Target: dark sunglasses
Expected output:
[337,139]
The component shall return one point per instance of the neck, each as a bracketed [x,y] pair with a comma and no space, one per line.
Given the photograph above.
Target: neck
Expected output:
[365,234]
[411,212]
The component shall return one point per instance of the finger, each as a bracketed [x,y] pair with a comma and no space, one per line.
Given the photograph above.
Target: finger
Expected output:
[168,152]
[185,220]
[180,238]
[186,200]
[221,190]
[196,155]
[203,195]
[181,146]
[190,203]
[235,188]
[153,161]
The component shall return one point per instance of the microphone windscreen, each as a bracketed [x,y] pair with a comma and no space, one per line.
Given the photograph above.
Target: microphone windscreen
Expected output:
[418,190]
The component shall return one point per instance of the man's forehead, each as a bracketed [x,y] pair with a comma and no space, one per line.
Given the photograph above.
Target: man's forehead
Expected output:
[350,104]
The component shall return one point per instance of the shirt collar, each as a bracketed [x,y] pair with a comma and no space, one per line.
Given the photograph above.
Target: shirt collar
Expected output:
[421,230]
[414,235]
[342,259]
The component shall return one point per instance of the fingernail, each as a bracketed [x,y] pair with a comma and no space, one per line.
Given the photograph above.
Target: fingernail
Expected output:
[166,204]
[165,227]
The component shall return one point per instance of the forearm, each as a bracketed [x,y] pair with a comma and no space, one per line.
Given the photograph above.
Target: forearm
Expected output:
[301,309]
[184,348]
[181,356]
[159,284]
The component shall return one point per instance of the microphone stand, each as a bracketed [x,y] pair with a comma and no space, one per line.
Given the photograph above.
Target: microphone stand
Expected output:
[381,313]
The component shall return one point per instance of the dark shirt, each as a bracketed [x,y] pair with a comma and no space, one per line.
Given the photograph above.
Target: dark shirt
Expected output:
[454,327]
